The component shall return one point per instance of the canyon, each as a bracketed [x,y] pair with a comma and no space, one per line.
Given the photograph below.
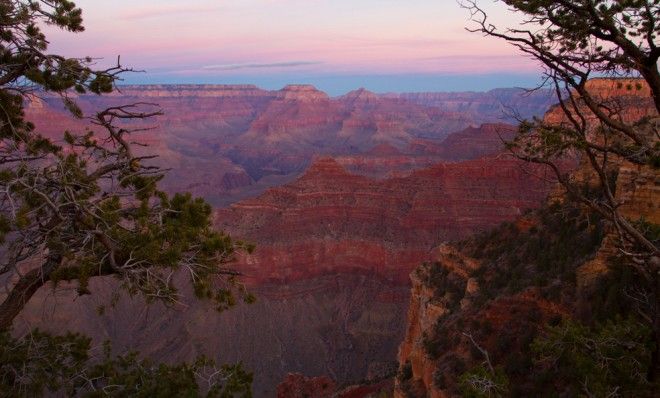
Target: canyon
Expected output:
[231,142]
[343,198]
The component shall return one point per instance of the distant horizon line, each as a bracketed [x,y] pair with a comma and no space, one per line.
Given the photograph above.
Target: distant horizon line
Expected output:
[257,87]
[340,83]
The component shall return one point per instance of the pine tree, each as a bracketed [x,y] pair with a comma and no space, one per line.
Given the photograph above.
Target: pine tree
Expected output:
[576,41]
[90,207]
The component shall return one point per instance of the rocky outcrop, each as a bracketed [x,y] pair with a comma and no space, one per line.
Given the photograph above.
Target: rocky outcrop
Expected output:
[465,303]
[637,187]
[628,100]
[638,191]
[360,95]
[605,88]
[496,291]
[302,93]
[423,313]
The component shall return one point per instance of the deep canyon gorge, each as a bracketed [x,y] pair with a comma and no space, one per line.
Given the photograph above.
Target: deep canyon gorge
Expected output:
[329,199]
[343,198]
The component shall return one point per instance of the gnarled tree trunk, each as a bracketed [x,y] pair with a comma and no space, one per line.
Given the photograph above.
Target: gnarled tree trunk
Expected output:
[24,289]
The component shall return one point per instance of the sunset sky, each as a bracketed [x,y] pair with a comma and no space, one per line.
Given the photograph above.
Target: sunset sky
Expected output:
[338,45]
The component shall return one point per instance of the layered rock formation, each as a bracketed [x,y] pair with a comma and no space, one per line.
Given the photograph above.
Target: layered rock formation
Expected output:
[331,221]
[386,160]
[628,100]
[330,272]
[471,143]
[251,139]
[508,104]
[302,121]
[334,247]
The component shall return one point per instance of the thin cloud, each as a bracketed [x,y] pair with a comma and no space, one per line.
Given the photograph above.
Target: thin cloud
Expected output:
[291,64]
[164,10]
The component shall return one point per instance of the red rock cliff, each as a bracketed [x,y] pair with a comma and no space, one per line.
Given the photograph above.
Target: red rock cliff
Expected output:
[331,221]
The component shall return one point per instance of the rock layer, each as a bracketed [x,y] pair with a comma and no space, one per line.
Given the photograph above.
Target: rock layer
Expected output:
[332,221]
[251,139]
[508,104]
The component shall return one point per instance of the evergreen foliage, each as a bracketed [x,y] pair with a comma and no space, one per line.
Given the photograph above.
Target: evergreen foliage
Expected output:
[606,360]
[546,255]
[576,42]
[63,365]
[87,204]
[480,383]
[600,343]
[92,206]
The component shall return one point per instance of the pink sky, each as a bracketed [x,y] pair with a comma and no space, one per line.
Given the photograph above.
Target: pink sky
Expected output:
[260,37]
